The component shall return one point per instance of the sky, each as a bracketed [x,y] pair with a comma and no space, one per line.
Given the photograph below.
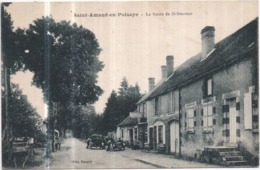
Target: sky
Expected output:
[136,46]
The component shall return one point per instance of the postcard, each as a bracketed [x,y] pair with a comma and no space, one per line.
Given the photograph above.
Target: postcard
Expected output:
[130,84]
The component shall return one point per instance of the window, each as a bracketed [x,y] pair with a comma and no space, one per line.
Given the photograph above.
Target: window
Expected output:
[209,87]
[171,102]
[145,135]
[207,116]
[190,118]
[145,110]
[135,134]
[160,133]
[157,106]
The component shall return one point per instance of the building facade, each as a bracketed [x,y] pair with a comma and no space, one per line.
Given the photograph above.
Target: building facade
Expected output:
[210,100]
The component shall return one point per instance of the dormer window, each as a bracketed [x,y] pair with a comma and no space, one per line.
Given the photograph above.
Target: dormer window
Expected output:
[207,87]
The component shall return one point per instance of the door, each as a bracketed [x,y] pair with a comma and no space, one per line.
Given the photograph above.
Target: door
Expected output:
[155,137]
[131,136]
[174,137]
[233,128]
[151,137]
[232,121]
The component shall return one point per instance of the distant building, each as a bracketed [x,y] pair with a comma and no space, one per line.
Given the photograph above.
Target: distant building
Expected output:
[129,130]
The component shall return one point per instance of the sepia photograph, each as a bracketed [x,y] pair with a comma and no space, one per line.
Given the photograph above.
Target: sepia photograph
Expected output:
[129,84]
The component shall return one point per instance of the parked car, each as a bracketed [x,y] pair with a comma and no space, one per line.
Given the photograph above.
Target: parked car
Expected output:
[96,141]
[118,145]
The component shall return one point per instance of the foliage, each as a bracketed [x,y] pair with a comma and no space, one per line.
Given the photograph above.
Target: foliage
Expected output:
[25,120]
[84,121]
[119,105]
[63,58]
[11,46]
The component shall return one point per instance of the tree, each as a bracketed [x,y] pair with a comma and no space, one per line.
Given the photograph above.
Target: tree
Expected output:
[25,121]
[119,105]
[123,87]
[110,113]
[84,121]
[11,62]
[63,58]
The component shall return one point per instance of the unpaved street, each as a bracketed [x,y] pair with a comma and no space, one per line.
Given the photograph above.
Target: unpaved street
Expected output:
[74,154]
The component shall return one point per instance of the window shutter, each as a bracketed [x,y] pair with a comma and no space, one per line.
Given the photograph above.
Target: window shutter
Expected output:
[214,110]
[238,132]
[248,110]
[225,133]
[227,120]
[227,108]
[214,121]
[204,88]
[255,103]
[238,106]
[238,119]
[255,118]
[223,109]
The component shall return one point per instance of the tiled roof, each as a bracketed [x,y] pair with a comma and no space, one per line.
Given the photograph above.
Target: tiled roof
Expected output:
[238,45]
[150,92]
[129,121]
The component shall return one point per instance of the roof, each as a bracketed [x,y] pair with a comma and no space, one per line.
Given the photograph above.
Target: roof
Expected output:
[150,92]
[238,45]
[129,121]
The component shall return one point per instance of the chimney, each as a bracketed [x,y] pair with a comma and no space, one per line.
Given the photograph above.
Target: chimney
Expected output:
[169,65]
[208,40]
[151,83]
[164,72]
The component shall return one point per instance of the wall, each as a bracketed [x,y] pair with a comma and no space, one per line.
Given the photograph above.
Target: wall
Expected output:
[234,78]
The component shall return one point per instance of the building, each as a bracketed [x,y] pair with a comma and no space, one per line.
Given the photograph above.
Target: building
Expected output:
[131,128]
[210,100]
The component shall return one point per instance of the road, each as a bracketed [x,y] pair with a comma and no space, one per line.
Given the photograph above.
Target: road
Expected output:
[73,154]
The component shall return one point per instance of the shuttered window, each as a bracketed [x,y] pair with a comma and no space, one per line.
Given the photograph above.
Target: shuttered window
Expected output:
[207,116]
[190,118]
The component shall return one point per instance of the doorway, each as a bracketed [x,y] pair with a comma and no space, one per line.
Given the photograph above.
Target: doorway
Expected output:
[151,137]
[232,120]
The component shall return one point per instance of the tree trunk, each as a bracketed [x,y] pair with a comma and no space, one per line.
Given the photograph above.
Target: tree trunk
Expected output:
[7,111]
[50,132]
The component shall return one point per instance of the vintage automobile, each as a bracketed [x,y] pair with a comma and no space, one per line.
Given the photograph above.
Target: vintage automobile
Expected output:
[96,141]
[116,146]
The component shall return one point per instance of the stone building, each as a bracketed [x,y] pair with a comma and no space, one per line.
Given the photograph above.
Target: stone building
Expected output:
[210,100]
